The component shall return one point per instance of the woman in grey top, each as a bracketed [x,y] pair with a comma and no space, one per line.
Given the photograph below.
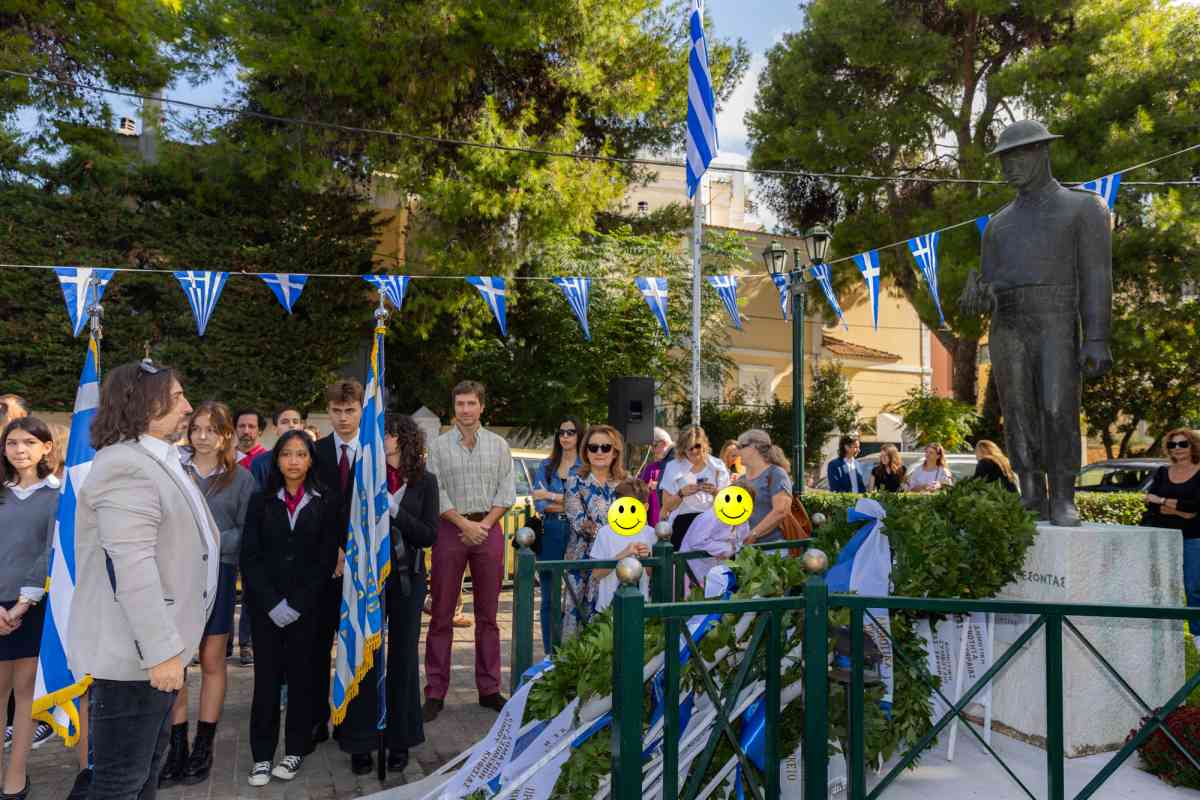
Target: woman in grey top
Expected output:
[209,458]
[28,503]
[767,478]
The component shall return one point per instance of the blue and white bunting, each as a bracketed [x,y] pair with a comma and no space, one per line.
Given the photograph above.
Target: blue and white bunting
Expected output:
[494,294]
[726,288]
[981,223]
[392,286]
[203,290]
[56,689]
[368,549]
[287,287]
[868,265]
[702,106]
[577,291]
[78,292]
[924,252]
[1106,187]
[654,290]
[781,283]
[823,274]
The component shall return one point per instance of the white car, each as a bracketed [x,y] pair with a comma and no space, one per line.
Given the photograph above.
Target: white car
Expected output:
[961,465]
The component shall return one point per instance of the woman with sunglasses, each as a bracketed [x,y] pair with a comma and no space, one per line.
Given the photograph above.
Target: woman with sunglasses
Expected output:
[1173,501]
[549,496]
[932,475]
[692,483]
[589,494]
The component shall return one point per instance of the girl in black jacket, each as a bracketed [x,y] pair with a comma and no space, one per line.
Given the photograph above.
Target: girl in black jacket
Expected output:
[287,557]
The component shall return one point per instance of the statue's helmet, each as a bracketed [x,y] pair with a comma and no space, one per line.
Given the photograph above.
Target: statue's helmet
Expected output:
[1022,134]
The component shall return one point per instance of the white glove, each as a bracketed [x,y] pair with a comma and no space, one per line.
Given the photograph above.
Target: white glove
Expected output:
[283,614]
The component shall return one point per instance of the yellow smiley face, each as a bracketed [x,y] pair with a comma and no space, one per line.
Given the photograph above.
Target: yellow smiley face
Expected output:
[733,505]
[627,515]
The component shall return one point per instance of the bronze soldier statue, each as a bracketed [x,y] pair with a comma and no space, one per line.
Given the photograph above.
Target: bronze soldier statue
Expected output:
[1047,281]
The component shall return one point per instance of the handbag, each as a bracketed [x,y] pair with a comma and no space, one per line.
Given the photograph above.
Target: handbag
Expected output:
[795,525]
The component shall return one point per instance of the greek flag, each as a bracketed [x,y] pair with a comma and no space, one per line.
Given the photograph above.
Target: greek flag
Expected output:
[56,689]
[823,274]
[981,223]
[77,291]
[726,286]
[1106,187]
[868,265]
[392,286]
[702,107]
[577,291]
[203,290]
[924,252]
[655,292]
[287,287]
[493,292]
[781,283]
[368,549]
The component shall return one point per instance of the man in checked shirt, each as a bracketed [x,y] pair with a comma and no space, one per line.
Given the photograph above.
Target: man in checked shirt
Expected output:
[475,484]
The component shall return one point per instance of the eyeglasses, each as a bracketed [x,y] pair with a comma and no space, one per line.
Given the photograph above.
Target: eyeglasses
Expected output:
[599,448]
[695,448]
[567,432]
[147,367]
[1178,444]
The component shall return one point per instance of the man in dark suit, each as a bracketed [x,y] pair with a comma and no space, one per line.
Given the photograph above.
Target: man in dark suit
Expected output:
[337,456]
[845,474]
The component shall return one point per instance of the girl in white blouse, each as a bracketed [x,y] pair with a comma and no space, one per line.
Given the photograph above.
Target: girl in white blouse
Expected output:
[932,475]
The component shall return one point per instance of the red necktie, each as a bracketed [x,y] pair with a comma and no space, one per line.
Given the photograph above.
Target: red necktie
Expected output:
[344,468]
[393,480]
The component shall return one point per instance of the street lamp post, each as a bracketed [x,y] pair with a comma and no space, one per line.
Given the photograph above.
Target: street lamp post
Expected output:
[816,243]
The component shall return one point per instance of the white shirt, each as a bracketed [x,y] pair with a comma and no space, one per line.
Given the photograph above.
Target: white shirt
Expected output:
[169,456]
[295,515]
[605,547]
[855,478]
[23,492]
[919,477]
[714,472]
[351,445]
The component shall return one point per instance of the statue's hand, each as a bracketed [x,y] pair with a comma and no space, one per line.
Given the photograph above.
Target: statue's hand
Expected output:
[977,297]
[1095,358]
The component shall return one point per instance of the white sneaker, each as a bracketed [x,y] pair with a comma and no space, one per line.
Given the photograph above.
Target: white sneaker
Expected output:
[260,774]
[42,734]
[287,768]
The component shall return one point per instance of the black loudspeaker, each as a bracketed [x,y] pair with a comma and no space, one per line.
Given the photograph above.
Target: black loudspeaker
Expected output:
[631,408]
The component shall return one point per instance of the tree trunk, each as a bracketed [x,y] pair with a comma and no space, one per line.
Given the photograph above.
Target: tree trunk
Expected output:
[965,381]
[1124,451]
[1107,438]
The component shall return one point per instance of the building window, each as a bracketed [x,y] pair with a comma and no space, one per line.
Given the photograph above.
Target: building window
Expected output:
[643,208]
[755,383]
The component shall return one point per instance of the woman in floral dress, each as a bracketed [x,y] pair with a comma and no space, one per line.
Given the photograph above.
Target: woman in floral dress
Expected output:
[589,494]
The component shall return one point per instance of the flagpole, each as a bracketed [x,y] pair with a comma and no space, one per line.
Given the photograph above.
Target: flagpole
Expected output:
[381,315]
[697,232]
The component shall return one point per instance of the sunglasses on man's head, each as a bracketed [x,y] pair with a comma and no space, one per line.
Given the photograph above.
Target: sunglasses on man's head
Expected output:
[600,448]
[567,431]
[1178,444]
[147,367]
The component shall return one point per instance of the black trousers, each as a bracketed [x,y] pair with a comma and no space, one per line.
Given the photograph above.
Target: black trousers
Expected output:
[679,528]
[327,615]
[128,721]
[281,656]
[358,733]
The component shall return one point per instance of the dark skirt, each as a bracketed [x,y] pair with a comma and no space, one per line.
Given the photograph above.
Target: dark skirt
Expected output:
[220,621]
[25,641]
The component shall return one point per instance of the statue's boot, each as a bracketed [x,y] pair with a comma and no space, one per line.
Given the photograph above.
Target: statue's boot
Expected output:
[1062,500]
[1033,494]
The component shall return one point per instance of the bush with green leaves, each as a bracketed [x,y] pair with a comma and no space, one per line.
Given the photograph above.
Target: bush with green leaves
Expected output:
[968,542]
[930,418]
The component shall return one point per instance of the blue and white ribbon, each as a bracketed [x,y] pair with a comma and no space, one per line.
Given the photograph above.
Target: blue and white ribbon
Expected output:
[79,292]
[491,288]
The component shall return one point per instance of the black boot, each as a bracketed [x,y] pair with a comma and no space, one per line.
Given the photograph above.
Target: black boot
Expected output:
[176,759]
[1062,500]
[199,764]
[1033,494]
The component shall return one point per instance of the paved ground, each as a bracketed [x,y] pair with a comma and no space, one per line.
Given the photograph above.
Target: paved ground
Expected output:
[326,774]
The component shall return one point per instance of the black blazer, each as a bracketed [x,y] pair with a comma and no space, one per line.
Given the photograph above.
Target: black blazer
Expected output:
[416,520]
[331,482]
[280,563]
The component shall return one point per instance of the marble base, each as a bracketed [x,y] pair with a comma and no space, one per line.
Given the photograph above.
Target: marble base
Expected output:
[1109,565]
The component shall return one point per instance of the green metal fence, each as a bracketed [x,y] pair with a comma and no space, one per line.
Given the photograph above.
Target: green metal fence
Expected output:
[814,600]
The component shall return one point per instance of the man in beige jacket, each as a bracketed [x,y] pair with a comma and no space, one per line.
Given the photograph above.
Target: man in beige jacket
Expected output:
[146,554]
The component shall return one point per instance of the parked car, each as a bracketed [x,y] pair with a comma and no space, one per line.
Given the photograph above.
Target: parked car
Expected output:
[961,465]
[1119,475]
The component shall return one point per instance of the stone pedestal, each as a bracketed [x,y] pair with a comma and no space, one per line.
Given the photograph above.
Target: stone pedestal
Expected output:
[1109,565]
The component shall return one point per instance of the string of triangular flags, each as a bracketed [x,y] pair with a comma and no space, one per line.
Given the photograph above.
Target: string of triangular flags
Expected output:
[924,250]
[203,288]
